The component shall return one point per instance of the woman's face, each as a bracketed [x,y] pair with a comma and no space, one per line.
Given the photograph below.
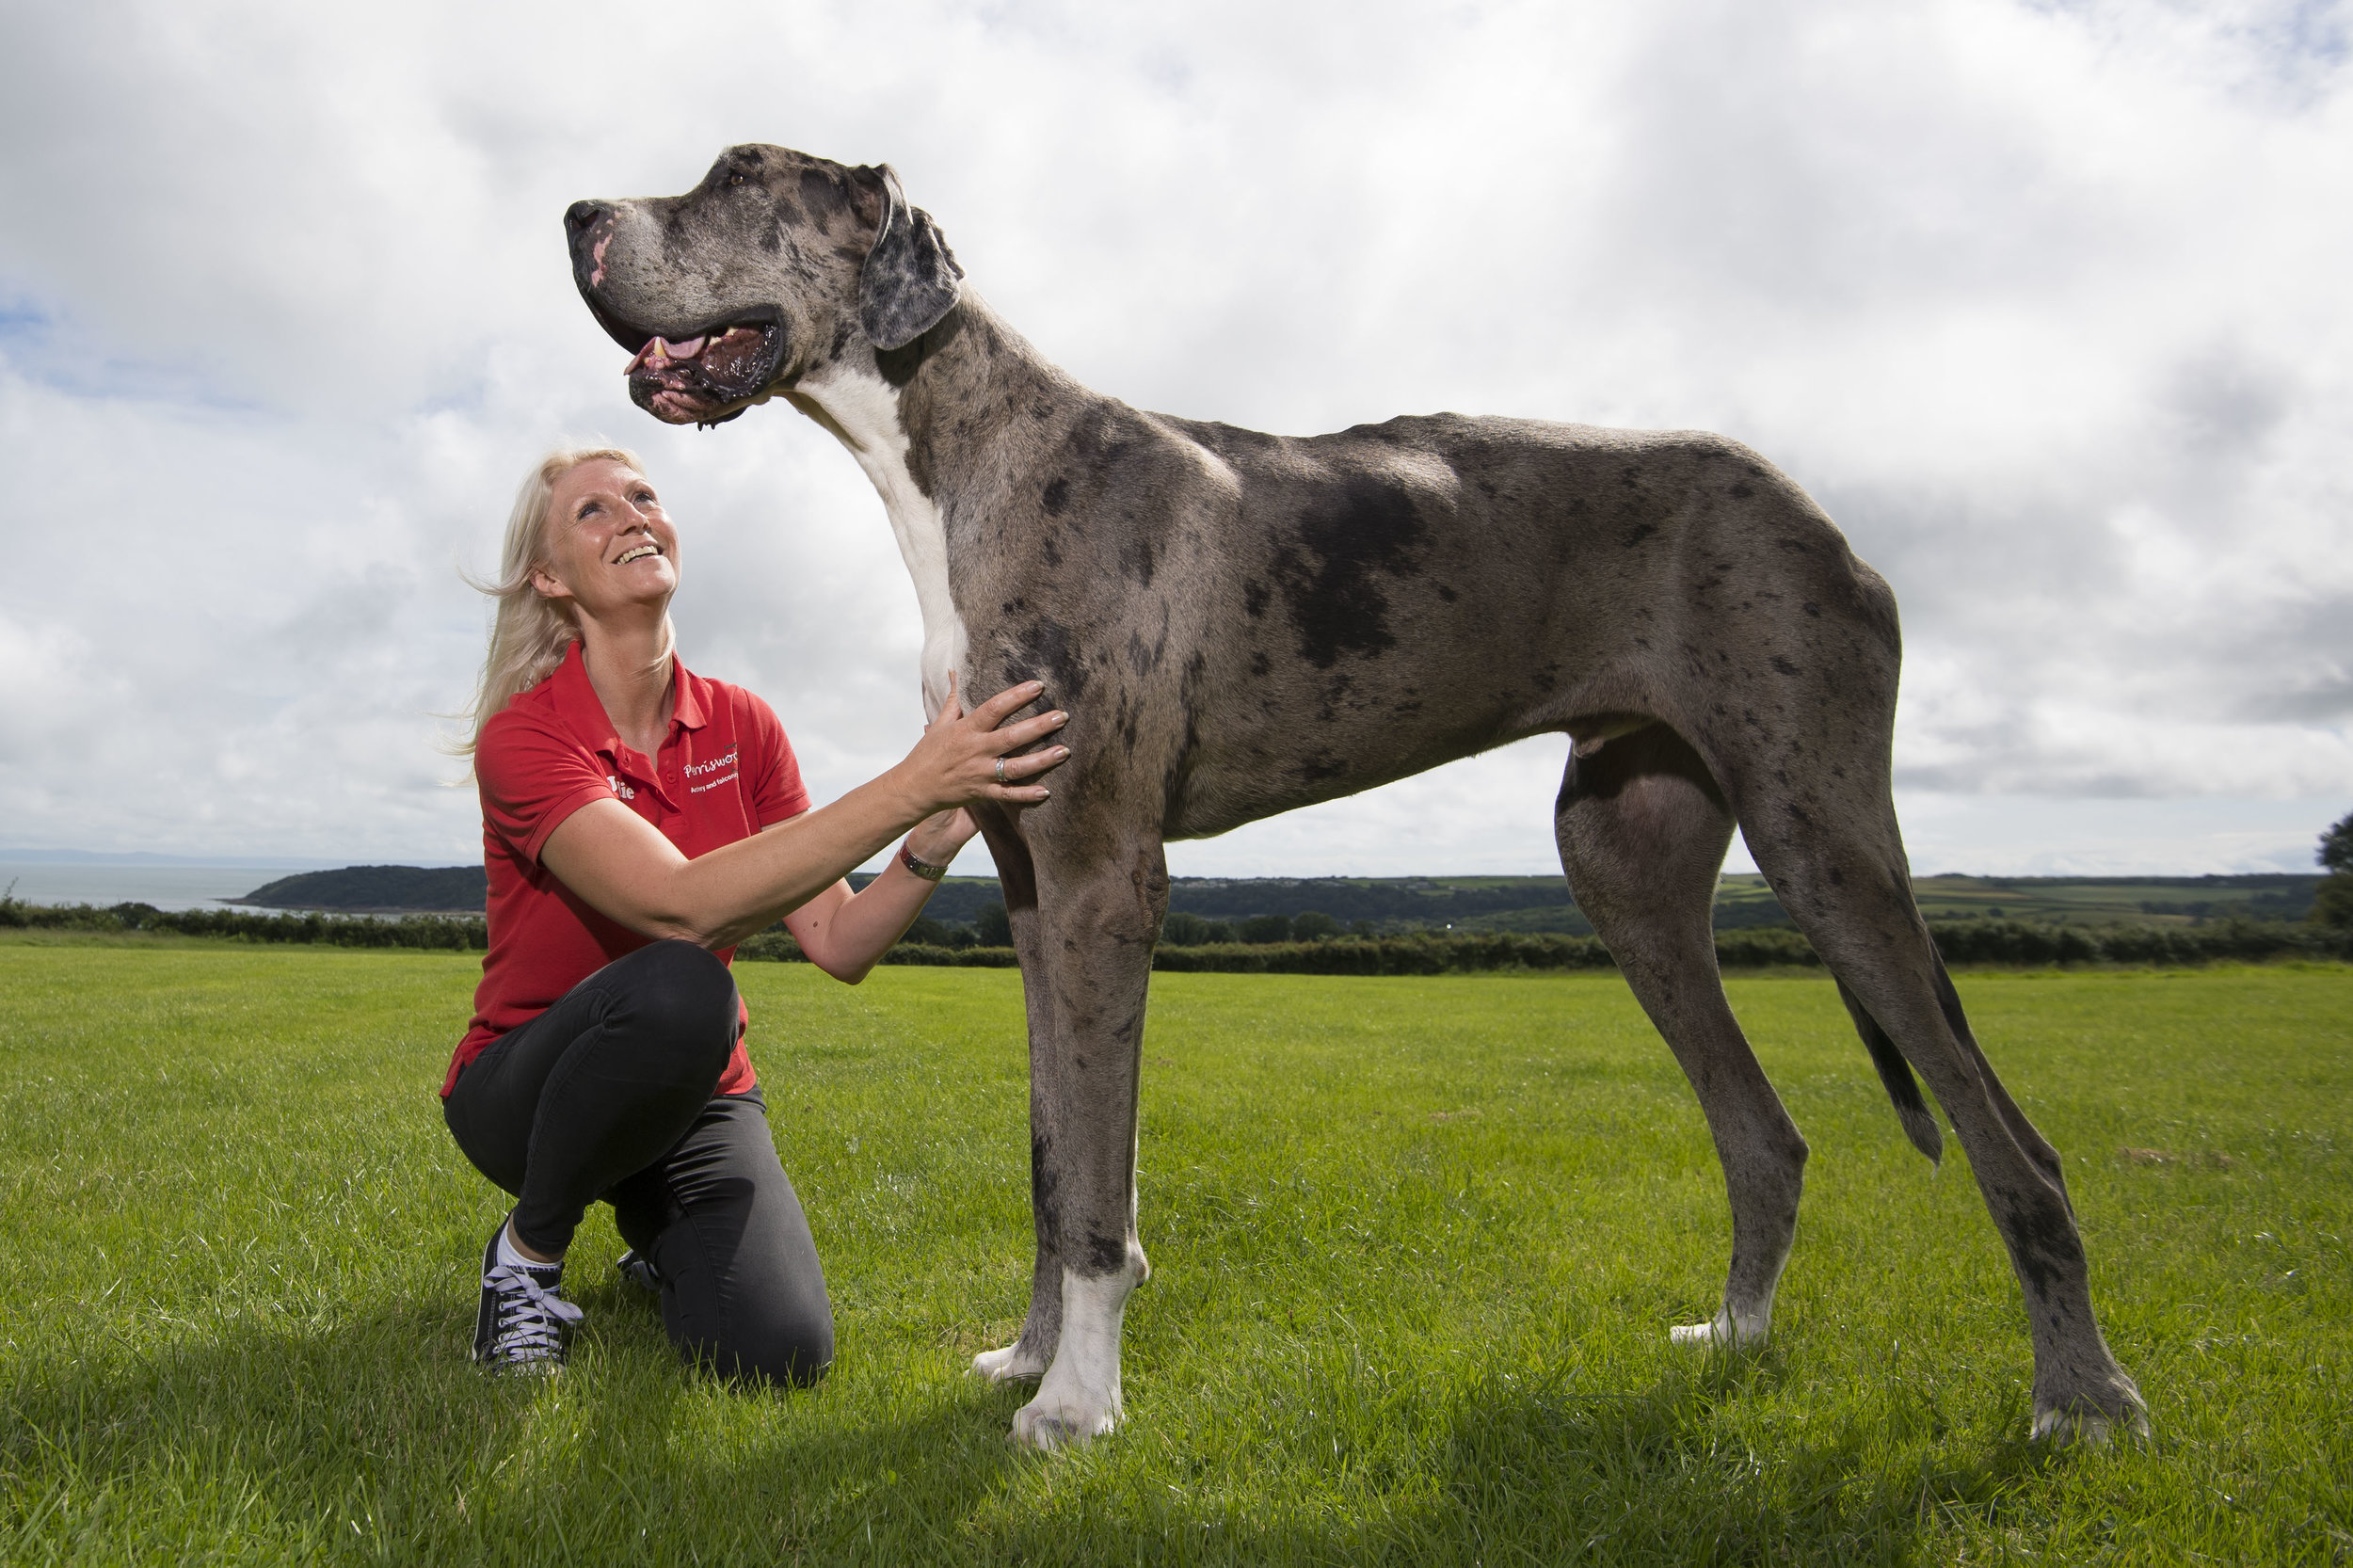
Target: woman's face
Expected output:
[610,545]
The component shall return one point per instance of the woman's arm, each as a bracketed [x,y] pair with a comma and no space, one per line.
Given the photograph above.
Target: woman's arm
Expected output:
[846,933]
[623,867]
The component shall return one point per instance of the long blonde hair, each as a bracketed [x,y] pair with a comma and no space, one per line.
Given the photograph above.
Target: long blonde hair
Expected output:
[530,632]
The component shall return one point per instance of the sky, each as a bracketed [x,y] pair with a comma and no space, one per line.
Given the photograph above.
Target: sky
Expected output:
[2044,303]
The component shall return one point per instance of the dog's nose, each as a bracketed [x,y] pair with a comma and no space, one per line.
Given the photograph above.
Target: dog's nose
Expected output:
[580,215]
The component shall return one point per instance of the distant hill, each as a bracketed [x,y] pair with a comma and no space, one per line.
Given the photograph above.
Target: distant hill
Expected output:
[377,890]
[1395,903]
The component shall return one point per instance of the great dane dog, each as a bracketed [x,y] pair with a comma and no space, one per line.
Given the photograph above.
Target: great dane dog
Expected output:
[1241,624]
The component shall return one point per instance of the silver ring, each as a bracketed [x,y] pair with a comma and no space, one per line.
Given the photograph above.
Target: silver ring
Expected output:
[1000,769]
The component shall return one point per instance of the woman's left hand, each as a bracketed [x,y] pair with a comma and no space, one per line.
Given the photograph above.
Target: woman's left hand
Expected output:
[936,839]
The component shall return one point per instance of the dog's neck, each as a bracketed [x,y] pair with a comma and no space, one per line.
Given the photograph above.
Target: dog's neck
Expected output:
[890,413]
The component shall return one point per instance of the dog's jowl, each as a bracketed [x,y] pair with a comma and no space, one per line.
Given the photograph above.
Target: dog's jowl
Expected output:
[1241,624]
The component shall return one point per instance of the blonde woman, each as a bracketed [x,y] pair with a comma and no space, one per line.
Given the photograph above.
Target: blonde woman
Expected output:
[638,819]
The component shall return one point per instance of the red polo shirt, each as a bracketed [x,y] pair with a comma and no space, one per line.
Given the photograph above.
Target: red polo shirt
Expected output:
[724,773]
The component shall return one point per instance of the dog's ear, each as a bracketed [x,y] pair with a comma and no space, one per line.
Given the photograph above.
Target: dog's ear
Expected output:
[910,277]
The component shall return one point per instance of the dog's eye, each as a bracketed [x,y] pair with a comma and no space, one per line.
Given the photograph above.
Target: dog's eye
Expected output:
[736,179]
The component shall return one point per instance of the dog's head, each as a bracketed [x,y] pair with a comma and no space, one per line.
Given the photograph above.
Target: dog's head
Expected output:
[776,266]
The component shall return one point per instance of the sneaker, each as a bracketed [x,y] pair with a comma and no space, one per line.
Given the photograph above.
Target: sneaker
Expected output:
[638,1270]
[520,1322]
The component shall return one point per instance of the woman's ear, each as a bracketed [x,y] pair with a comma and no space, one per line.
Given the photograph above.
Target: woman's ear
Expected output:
[910,277]
[547,583]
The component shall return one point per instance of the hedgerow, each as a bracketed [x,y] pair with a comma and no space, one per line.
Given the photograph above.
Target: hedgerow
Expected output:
[2012,944]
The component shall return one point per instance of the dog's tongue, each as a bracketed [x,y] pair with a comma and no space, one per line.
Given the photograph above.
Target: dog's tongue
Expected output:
[661,349]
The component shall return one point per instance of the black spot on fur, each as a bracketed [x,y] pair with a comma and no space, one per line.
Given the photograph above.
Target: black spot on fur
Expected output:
[1635,534]
[1813,609]
[1353,537]
[1107,1253]
[1321,767]
[1056,496]
[1057,660]
[1254,597]
[1259,665]
[1447,594]
[1783,666]
[1741,492]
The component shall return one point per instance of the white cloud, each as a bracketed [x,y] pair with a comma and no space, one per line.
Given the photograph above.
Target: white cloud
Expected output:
[2042,301]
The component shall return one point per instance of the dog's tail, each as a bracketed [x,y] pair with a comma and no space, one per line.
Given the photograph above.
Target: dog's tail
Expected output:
[1912,1108]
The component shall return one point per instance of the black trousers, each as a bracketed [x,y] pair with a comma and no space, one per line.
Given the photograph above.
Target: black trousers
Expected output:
[608,1095]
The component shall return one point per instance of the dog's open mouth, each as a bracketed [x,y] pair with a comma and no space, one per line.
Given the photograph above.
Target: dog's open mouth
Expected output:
[704,376]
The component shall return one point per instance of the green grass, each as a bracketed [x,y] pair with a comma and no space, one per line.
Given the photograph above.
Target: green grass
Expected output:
[1416,1246]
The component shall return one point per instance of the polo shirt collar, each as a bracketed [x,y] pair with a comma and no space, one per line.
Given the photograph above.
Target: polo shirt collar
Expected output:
[582,711]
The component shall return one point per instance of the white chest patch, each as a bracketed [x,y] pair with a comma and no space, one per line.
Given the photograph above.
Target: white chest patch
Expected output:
[862,411]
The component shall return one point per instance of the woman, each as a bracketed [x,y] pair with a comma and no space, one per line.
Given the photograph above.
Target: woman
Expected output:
[639,819]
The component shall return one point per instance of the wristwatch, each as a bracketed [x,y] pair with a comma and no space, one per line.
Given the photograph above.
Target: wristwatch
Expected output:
[923,869]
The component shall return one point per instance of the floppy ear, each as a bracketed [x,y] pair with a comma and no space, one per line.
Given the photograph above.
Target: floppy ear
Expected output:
[910,277]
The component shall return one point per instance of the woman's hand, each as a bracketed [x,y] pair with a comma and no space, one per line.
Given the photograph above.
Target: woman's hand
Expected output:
[962,757]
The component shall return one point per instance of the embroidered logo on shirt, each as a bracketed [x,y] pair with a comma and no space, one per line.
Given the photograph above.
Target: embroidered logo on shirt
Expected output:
[696,770]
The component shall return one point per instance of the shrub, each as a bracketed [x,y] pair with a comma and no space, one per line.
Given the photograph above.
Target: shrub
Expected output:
[1261,929]
[1313,925]
[1184,929]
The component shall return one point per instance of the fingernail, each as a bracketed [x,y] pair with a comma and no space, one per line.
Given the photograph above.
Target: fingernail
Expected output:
[1060,718]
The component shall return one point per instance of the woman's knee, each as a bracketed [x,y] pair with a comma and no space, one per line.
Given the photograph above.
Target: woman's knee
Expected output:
[789,1352]
[681,995]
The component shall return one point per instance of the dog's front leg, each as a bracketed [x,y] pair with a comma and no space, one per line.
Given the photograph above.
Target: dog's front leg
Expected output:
[1098,914]
[1041,1329]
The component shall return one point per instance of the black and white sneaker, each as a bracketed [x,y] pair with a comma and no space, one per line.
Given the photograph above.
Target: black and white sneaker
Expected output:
[636,1268]
[519,1325]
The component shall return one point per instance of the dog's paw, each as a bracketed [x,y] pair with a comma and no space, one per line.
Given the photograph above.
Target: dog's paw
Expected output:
[2082,1422]
[1046,1422]
[1009,1364]
[1722,1330]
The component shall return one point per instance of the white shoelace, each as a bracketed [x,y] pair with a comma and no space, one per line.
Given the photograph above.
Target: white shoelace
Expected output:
[529,1315]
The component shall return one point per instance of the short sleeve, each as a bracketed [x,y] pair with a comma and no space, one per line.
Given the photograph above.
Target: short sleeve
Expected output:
[532,778]
[777,792]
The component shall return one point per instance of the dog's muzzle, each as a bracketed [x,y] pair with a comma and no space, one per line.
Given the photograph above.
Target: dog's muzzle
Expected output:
[706,373]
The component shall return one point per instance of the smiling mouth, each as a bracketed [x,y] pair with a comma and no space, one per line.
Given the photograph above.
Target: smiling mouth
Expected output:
[704,377]
[639,554]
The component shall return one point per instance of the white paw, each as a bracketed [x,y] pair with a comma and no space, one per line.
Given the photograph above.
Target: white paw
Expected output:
[1049,1423]
[1080,1398]
[1723,1329]
[1009,1364]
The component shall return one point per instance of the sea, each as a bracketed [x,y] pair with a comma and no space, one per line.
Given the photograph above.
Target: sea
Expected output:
[165,885]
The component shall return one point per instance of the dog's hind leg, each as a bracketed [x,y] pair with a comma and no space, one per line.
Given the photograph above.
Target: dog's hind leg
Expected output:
[1837,864]
[1643,829]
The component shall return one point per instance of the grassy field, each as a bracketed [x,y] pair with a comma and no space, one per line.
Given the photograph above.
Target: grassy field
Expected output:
[1416,1246]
